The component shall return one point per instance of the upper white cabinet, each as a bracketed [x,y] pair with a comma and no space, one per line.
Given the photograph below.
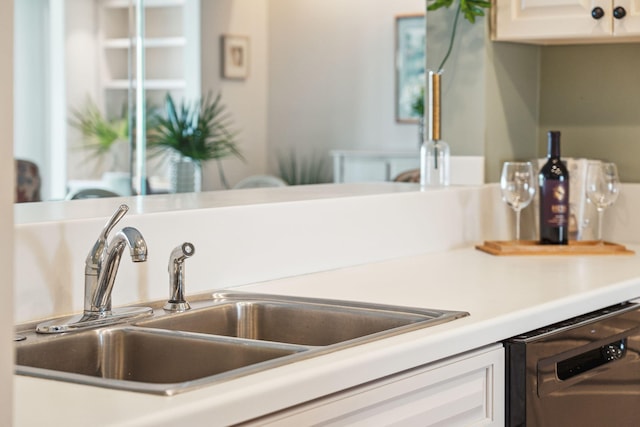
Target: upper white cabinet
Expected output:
[566,21]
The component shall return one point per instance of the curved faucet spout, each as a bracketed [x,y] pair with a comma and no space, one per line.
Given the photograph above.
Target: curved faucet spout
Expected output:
[100,298]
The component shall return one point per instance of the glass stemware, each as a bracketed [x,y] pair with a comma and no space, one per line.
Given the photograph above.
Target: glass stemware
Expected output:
[602,188]
[518,186]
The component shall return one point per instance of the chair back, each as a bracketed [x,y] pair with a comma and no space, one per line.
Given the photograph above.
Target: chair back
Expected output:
[93,193]
[28,181]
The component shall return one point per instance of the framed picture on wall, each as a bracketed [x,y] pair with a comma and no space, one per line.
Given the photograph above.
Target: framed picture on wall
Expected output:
[410,65]
[235,57]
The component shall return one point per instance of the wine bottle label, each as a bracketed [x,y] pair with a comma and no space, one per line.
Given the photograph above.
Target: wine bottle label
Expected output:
[555,203]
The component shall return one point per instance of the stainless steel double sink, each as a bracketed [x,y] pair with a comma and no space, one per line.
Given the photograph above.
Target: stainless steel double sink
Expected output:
[223,336]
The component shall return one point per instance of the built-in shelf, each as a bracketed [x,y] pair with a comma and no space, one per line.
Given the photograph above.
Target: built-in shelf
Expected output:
[171,44]
[124,43]
[148,84]
[147,3]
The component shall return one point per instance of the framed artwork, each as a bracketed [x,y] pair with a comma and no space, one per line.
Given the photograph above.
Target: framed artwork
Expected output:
[410,64]
[235,57]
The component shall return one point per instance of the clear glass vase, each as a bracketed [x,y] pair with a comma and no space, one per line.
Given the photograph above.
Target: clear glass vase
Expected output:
[435,159]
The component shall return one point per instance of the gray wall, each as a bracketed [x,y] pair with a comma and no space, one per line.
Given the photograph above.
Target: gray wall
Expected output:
[592,94]
[512,100]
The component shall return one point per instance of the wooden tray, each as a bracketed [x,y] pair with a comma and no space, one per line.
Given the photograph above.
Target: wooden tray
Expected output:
[531,247]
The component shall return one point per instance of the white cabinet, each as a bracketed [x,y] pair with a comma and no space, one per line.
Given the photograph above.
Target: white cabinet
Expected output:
[566,21]
[382,165]
[367,166]
[466,390]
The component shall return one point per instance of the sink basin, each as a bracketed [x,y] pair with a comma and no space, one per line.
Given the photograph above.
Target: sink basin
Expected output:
[224,335]
[142,360]
[311,322]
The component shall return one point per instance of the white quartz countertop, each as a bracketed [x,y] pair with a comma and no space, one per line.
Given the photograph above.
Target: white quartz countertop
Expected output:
[505,296]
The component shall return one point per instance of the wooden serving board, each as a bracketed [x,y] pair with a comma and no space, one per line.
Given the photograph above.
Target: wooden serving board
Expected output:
[532,247]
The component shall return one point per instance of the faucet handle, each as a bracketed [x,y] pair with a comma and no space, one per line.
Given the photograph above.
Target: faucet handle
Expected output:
[177,301]
[100,246]
[115,218]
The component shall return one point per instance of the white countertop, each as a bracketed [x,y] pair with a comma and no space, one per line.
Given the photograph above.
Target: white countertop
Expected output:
[44,212]
[505,296]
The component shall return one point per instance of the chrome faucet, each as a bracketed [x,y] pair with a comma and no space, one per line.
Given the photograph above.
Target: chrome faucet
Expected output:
[101,266]
[176,277]
[103,260]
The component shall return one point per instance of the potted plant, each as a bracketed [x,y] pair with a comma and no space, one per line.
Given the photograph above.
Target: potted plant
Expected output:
[101,135]
[193,133]
[110,139]
[297,170]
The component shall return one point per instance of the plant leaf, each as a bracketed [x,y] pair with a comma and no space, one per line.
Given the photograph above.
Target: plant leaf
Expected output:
[471,9]
[437,4]
[99,133]
[199,130]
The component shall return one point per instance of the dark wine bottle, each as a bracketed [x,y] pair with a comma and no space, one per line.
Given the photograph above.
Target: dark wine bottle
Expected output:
[553,181]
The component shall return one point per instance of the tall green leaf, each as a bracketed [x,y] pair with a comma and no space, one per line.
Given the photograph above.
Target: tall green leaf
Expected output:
[200,130]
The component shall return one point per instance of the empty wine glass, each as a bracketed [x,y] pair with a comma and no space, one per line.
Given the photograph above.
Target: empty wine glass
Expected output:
[518,186]
[602,187]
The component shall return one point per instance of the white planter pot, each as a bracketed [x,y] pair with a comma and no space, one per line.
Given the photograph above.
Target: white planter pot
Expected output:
[186,175]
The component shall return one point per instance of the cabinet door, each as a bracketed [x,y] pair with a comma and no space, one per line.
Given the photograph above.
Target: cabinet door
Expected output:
[552,20]
[629,24]
[466,390]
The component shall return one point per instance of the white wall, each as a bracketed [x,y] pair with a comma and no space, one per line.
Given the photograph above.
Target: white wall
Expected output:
[80,82]
[6,212]
[318,80]
[32,86]
[331,76]
[40,83]
[246,100]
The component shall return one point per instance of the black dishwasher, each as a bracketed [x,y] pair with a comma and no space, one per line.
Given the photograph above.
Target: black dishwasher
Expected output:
[581,372]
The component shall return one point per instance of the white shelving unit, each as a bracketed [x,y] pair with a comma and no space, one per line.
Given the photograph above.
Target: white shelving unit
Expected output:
[172,51]
[171,56]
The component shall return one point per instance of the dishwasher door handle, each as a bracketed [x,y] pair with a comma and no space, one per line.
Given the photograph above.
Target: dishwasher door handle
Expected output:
[588,360]
[564,370]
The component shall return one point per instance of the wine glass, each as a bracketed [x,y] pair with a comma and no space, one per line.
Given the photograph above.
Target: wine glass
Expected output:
[602,187]
[518,186]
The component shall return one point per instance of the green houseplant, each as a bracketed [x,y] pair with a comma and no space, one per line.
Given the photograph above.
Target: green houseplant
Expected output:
[194,133]
[99,133]
[295,170]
